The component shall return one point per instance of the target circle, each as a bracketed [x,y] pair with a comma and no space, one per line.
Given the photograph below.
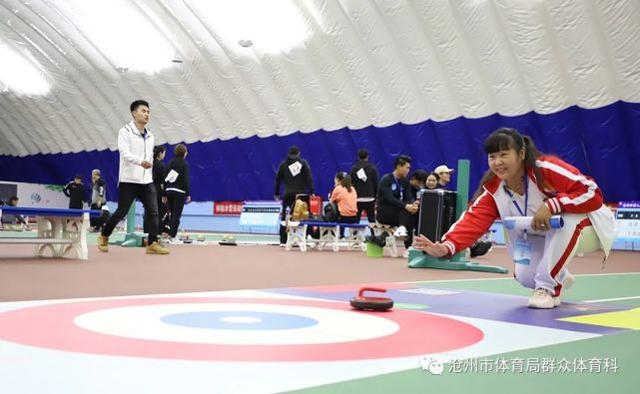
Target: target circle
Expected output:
[300,325]
[256,329]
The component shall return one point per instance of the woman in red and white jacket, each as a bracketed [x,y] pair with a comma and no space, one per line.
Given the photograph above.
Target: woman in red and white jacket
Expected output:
[523,182]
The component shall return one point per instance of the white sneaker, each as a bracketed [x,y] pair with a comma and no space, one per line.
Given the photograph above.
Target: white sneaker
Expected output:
[400,232]
[541,299]
[175,241]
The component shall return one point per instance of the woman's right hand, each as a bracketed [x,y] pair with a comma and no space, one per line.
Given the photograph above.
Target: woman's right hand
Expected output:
[434,249]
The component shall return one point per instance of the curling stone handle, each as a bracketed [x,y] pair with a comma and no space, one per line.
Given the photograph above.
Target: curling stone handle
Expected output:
[374,289]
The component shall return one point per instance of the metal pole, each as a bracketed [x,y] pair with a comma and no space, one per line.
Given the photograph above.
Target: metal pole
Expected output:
[462,187]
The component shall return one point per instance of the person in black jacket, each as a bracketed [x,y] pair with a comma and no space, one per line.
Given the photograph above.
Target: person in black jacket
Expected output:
[75,191]
[295,173]
[364,176]
[396,205]
[159,173]
[177,188]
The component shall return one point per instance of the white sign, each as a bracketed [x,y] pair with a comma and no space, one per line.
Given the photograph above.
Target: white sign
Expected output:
[295,168]
[172,176]
[38,195]
[362,175]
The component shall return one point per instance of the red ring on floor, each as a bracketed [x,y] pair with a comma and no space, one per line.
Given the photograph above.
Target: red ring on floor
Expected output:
[52,327]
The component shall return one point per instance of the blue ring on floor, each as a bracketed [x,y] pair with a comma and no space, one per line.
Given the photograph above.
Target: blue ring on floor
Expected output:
[215,320]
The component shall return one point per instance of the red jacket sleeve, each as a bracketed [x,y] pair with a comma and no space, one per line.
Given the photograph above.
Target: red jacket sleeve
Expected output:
[575,192]
[472,224]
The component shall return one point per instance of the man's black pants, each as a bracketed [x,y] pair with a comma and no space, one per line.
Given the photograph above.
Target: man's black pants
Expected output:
[393,216]
[176,205]
[370,208]
[127,193]
[287,201]
[162,211]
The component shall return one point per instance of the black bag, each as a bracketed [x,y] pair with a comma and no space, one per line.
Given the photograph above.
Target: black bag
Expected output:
[330,213]
[437,213]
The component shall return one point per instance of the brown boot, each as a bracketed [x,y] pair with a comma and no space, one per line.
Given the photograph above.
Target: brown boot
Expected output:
[156,248]
[103,243]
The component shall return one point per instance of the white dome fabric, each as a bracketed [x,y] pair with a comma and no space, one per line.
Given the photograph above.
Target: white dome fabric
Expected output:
[348,63]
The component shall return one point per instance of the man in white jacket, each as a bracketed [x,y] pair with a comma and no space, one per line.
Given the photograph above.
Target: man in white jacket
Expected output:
[135,143]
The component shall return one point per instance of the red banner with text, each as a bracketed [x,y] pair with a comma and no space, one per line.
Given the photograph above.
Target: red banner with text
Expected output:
[227,208]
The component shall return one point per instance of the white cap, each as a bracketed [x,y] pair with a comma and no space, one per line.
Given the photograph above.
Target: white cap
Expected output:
[443,168]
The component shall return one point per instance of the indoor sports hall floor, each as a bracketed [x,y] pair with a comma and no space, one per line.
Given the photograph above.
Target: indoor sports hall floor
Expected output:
[256,318]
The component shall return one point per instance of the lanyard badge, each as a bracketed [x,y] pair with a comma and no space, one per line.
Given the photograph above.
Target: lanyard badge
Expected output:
[526,200]
[523,247]
[397,186]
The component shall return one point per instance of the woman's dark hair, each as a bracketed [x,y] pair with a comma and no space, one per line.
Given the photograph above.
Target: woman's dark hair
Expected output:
[345,180]
[157,150]
[363,154]
[180,150]
[505,139]
[434,175]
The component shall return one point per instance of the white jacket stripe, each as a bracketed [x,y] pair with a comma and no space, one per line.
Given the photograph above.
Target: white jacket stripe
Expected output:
[591,186]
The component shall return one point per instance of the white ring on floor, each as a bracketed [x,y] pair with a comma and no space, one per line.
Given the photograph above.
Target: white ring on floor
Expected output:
[143,322]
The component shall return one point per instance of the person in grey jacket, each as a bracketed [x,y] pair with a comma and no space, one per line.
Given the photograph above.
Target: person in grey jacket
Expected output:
[98,200]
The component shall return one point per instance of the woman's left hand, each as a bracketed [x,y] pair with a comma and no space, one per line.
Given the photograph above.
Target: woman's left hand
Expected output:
[436,249]
[540,220]
[188,199]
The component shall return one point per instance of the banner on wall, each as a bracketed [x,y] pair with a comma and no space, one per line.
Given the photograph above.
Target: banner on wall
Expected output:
[627,226]
[260,214]
[227,208]
[37,195]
